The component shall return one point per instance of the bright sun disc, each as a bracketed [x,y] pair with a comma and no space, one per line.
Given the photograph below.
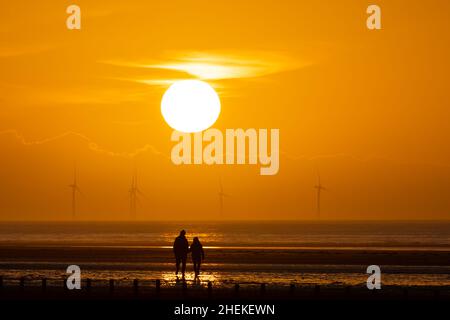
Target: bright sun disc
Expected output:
[190,106]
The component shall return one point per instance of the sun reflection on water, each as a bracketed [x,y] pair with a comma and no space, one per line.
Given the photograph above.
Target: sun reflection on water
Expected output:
[170,279]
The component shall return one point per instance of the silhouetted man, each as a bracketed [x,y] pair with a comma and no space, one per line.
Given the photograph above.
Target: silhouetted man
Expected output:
[181,249]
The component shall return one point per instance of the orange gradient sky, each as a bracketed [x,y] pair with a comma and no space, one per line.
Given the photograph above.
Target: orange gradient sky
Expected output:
[368,109]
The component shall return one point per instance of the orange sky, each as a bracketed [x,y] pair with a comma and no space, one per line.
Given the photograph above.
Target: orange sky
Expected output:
[370,110]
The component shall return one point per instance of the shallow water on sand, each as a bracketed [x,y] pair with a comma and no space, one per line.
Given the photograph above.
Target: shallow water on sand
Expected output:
[246,253]
[226,277]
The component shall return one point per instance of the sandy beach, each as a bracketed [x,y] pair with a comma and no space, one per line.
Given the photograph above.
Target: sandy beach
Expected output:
[278,254]
[364,256]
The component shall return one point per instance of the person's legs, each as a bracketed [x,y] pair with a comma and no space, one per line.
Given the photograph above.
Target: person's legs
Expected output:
[177,263]
[183,265]
[199,262]
[195,267]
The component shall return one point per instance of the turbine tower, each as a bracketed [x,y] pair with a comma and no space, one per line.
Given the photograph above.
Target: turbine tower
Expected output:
[75,188]
[319,188]
[222,195]
[134,195]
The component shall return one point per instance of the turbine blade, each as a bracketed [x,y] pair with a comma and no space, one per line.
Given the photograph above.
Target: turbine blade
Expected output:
[140,193]
[79,190]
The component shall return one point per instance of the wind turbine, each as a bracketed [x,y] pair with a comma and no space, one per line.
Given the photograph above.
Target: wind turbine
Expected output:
[134,195]
[319,188]
[222,195]
[75,188]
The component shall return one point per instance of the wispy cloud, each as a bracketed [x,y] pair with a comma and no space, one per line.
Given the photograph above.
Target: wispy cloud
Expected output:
[215,66]
[93,146]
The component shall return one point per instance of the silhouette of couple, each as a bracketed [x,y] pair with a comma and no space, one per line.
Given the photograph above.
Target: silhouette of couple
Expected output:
[181,250]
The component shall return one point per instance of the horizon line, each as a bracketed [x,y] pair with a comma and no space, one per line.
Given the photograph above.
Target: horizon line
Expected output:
[228,220]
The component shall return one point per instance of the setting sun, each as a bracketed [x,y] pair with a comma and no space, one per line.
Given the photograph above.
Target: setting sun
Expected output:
[190,106]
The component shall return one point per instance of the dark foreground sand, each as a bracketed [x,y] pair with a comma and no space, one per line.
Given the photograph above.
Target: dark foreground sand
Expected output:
[386,293]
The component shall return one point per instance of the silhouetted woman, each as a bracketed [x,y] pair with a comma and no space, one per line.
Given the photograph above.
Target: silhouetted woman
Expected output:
[197,255]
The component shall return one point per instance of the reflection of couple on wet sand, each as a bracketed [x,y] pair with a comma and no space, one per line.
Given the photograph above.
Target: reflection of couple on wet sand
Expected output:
[181,250]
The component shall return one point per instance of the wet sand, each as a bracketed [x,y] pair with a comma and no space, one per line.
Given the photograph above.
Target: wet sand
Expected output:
[241,260]
[365,256]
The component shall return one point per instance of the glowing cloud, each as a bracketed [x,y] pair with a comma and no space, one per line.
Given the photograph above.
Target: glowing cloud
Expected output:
[212,66]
